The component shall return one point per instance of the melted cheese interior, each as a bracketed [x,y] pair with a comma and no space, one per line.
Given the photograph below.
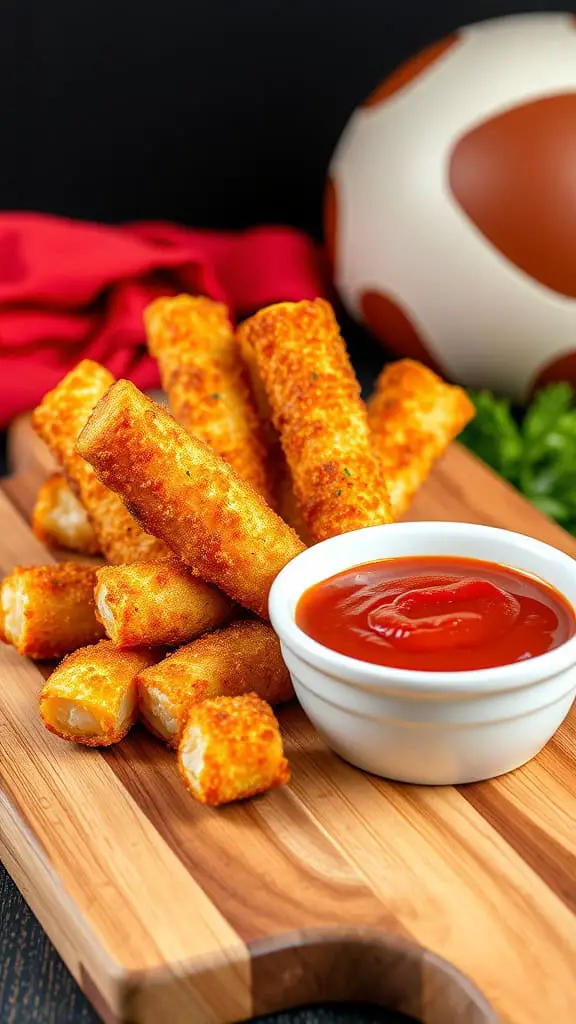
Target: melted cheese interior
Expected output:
[68,518]
[158,711]
[75,718]
[105,612]
[192,755]
[14,604]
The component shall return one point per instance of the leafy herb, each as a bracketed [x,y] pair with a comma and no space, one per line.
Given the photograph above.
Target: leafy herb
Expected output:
[216,394]
[347,471]
[313,376]
[338,492]
[535,452]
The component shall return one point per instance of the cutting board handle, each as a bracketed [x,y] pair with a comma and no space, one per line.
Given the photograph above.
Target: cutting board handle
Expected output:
[363,966]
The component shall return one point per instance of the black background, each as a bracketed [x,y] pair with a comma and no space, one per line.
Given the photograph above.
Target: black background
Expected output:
[220,113]
[216,114]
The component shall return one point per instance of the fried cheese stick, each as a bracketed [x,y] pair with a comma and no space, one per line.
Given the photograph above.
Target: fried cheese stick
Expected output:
[91,697]
[288,507]
[413,417]
[317,410]
[284,499]
[47,611]
[182,491]
[206,381]
[245,657]
[60,520]
[58,420]
[157,604]
[231,749]
[258,390]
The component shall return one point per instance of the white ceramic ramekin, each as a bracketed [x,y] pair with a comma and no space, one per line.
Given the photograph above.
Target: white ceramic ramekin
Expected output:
[432,728]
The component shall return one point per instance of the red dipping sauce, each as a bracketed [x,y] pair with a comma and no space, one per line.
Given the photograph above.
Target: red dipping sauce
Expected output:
[436,614]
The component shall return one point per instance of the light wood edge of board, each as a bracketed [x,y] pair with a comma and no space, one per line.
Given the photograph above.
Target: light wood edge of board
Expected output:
[317,966]
[147,996]
[177,993]
[26,449]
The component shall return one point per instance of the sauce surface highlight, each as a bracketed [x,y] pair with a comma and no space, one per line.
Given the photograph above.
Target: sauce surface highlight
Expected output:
[436,614]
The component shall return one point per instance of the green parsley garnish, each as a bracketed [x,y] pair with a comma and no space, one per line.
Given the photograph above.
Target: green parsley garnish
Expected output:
[535,452]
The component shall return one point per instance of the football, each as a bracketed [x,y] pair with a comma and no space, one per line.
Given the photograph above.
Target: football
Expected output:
[450,208]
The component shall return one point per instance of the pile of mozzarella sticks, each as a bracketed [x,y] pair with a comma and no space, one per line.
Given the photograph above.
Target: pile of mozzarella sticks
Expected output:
[267,447]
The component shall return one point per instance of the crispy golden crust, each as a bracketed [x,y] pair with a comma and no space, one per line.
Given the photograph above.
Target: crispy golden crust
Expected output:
[286,504]
[60,520]
[258,391]
[284,499]
[58,420]
[231,749]
[49,610]
[413,417]
[91,697]
[317,409]
[157,604]
[245,657]
[181,491]
[206,381]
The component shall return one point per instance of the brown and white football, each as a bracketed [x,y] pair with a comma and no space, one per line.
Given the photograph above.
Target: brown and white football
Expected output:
[450,211]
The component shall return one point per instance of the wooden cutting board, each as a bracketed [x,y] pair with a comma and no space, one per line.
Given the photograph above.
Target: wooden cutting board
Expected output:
[327,889]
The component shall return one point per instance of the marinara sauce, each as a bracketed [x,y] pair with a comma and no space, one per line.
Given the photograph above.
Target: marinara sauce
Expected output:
[436,614]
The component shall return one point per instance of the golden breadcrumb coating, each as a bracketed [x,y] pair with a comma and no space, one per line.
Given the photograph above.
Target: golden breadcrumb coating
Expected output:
[206,381]
[91,697]
[47,611]
[180,490]
[60,520]
[285,498]
[231,749]
[316,405]
[258,390]
[157,604]
[282,487]
[245,657]
[413,417]
[58,420]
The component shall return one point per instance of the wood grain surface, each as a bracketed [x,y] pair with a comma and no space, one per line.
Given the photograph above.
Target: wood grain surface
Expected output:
[341,886]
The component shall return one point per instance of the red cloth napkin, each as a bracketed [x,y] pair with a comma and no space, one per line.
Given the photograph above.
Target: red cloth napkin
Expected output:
[71,289]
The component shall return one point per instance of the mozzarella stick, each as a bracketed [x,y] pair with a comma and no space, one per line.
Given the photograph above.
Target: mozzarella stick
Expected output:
[60,520]
[245,657]
[47,611]
[206,381]
[157,604]
[180,490]
[284,499]
[317,410]
[58,420]
[91,697]
[413,417]
[258,391]
[231,749]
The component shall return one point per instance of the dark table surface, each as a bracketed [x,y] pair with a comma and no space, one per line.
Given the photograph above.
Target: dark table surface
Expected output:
[35,985]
